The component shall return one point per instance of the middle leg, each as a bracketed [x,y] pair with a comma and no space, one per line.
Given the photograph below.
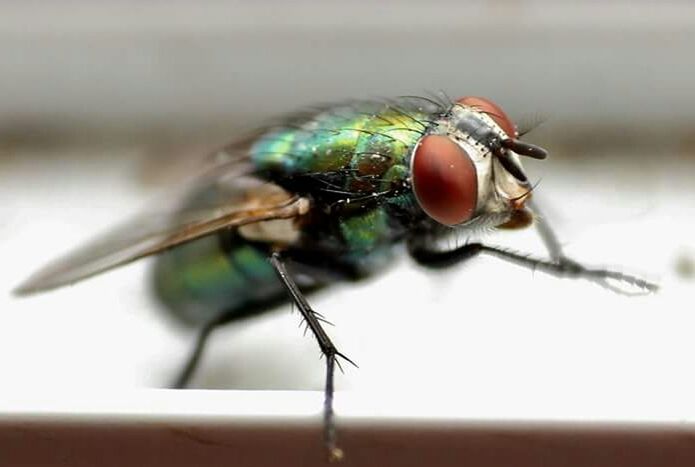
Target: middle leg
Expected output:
[328,349]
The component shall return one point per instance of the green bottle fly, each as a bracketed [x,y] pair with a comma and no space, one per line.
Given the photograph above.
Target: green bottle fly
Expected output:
[327,195]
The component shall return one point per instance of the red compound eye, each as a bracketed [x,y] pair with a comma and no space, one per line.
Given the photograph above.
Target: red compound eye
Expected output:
[493,110]
[444,180]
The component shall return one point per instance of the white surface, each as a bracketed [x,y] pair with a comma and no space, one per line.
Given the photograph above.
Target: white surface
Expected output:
[352,406]
[483,340]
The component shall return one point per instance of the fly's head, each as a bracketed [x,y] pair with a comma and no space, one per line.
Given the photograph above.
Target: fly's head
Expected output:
[467,172]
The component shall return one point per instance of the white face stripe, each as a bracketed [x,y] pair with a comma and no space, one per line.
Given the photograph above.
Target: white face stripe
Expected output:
[496,186]
[483,167]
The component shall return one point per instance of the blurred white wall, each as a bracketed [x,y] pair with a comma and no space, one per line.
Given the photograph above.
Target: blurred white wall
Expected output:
[130,64]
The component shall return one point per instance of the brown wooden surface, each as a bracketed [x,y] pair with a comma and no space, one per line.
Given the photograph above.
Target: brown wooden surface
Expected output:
[24,443]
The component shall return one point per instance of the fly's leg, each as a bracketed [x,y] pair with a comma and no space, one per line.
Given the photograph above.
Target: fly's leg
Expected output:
[313,321]
[184,377]
[600,276]
[560,267]
[547,234]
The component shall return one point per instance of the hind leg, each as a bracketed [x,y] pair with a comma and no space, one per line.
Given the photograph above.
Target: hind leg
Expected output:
[186,373]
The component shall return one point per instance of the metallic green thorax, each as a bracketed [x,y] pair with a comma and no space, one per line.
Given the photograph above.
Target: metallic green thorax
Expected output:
[346,154]
[374,142]
[353,162]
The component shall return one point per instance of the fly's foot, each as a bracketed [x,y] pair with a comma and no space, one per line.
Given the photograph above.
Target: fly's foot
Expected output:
[335,454]
[615,281]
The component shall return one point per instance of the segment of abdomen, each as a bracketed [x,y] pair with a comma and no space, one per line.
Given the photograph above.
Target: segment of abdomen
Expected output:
[198,280]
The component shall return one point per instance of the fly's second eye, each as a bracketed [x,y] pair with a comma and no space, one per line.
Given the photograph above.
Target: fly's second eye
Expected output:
[444,180]
[493,110]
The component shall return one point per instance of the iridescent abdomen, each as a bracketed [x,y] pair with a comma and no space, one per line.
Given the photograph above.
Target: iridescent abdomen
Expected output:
[198,280]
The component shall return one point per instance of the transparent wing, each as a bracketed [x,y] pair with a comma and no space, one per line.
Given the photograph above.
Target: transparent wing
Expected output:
[226,196]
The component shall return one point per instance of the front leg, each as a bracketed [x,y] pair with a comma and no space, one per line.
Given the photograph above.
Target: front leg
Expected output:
[547,234]
[313,321]
[552,244]
[424,255]
[560,267]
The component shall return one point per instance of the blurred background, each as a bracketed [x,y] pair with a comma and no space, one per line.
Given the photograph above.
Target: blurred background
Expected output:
[103,105]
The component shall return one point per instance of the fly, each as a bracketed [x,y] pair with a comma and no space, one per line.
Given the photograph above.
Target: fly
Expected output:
[331,190]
